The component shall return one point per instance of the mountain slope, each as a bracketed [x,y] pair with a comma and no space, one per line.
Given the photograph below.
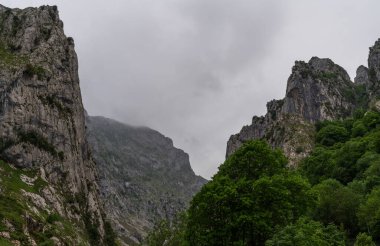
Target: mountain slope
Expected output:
[42,126]
[143,177]
[316,91]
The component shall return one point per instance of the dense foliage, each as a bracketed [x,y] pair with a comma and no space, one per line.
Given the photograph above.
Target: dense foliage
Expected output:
[307,232]
[251,195]
[332,199]
[345,171]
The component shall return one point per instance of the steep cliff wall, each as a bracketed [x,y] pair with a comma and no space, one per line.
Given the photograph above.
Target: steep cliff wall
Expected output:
[42,125]
[143,177]
[370,77]
[316,91]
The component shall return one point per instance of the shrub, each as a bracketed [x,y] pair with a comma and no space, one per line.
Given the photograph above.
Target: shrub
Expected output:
[32,70]
[307,232]
[53,218]
[362,239]
[331,134]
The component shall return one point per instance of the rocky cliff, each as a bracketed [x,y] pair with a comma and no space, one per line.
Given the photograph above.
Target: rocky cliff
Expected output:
[370,77]
[317,90]
[42,125]
[143,177]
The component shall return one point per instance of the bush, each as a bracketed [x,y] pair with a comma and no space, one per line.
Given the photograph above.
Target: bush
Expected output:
[39,141]
[332,134]
[337,204]
[307,232]
[53,218]
[362,239]
[31,70]
[369,213]
[110,236]
[359,129]
[371,119]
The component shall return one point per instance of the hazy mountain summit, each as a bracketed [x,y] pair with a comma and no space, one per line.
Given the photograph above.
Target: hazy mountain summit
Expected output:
[143,177]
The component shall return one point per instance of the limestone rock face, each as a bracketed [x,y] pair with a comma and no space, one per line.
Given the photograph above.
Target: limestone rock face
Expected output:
[42,123]
[143,177]
[374,61]
[317,90]
[362,76]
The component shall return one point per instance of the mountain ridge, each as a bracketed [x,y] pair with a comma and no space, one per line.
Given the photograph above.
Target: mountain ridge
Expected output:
[143,177]
[316,91]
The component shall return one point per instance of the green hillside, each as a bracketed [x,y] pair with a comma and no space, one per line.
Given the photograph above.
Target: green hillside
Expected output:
[332,198]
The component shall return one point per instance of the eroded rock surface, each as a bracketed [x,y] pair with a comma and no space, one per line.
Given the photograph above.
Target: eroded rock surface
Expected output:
[42,123]
[143,177]
[317,90]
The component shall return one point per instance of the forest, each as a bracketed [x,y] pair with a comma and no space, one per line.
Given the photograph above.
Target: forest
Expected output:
[331,198]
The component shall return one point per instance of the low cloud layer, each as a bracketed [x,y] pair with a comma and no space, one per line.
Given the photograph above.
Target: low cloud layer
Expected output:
[198,70]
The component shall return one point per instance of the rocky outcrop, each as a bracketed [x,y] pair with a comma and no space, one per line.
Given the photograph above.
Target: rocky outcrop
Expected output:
[374,61]
[370,77]
[362,76]
[143,177]
[42,123]
[316,91]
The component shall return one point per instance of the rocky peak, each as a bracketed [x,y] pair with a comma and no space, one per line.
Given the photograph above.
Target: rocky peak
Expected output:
[41,113]
[374,59]
[370,77]
[326,65]
[362,76]
[316,90]
[374,69]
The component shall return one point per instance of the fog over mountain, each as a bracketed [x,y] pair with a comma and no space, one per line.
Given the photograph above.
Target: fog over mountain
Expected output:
[197,70]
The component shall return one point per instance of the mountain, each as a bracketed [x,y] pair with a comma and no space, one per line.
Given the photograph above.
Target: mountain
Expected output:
[327,192]
[49,194]
[316,91]
[143,177]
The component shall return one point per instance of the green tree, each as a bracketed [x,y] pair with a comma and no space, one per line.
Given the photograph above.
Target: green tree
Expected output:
[332,134]
[251,194]
[363,239]
[359,129]
[319,165]
[371,119]
[337,204]
[306,232]
[372,175]
[169,233]
[252,160]
[160,233]
[369,213]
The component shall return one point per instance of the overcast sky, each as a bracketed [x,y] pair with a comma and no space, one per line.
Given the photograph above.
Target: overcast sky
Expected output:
[198,70]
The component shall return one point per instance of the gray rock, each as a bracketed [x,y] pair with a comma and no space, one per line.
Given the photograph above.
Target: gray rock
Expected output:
[373,84]
[362,76]
[374,61]
[41,113]
[143,177]
[317,90]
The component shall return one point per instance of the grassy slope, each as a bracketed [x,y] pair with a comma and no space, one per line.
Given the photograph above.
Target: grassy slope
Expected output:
[20,215]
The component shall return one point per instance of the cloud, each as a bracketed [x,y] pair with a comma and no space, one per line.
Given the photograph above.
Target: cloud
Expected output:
[198,70]
[180,67]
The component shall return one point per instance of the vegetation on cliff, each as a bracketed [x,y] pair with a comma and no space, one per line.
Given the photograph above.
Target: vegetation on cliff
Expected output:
[25,216]
[333,198]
